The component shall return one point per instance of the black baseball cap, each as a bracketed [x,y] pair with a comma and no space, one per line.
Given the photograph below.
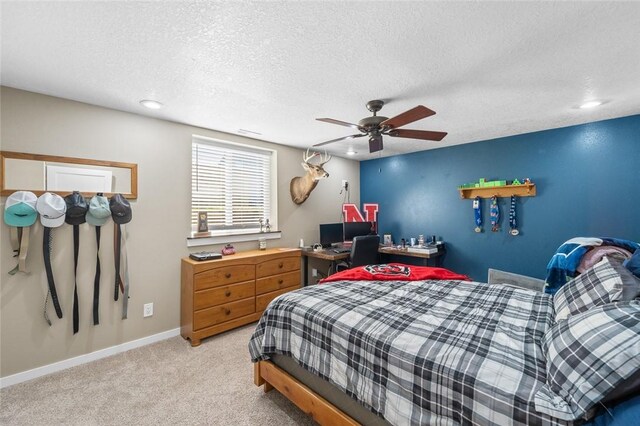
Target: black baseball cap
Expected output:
[120,209]
[76,208]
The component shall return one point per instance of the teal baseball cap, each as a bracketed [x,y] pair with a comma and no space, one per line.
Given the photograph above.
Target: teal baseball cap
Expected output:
[20,209]
[99,211]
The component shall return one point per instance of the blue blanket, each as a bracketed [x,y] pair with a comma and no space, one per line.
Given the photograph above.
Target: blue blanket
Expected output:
[562,266]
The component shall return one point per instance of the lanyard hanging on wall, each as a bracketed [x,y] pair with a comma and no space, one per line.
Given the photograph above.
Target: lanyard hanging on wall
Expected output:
[512,217]
[477,212]
[495,214]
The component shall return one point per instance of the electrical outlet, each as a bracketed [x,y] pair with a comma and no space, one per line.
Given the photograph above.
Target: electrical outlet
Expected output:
[345,183]
[148,310]
[314,272]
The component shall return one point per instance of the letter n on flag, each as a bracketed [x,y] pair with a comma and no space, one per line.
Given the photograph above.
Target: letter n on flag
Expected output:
[351,213]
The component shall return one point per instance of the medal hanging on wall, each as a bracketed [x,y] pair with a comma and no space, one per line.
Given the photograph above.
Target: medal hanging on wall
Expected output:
[512,217]
[494,214]
[477,212]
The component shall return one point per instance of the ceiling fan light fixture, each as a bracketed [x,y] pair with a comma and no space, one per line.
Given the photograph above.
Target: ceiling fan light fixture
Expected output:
[151,104]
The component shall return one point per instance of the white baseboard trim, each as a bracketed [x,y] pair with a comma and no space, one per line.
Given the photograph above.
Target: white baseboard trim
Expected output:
[83,359]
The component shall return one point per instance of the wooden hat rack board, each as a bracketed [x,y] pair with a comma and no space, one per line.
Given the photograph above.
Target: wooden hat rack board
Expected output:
[83,195]
[494,190]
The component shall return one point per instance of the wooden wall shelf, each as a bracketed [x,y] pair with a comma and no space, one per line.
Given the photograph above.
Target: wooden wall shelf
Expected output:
[524,190]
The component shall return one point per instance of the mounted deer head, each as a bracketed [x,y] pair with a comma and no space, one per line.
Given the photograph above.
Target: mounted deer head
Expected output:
[301,187]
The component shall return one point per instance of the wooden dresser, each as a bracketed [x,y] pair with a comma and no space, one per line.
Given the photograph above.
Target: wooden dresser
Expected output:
[218,295]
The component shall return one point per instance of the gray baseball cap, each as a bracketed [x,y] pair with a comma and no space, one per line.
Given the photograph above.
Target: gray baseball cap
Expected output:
[120,209]
[99,211]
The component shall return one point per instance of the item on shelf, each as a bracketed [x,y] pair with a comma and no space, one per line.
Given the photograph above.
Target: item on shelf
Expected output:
[267,226]
[499,188]
[205,255]
[261,225]
[229,249]
[421,240]
[425,250]
[203,222]
[387,241]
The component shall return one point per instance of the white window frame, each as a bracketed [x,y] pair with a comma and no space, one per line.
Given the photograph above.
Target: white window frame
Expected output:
[245,234]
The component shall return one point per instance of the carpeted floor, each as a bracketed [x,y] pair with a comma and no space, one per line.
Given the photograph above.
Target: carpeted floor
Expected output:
[165,383]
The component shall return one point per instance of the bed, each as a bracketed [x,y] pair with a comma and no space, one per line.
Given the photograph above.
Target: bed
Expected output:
[392,351]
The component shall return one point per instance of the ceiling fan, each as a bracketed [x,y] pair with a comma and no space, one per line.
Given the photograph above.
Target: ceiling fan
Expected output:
[376,126]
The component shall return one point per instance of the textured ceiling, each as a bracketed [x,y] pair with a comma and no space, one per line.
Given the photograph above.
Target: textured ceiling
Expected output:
[487,69]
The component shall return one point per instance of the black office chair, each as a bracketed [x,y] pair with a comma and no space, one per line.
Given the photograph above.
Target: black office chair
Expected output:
[364,251]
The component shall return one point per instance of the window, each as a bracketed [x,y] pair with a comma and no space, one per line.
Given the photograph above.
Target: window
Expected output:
[234,184]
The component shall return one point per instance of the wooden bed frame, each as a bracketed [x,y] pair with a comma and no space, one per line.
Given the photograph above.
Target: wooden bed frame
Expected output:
[322,411]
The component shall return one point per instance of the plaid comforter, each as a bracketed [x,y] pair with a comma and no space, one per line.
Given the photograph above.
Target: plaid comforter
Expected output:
[421,352]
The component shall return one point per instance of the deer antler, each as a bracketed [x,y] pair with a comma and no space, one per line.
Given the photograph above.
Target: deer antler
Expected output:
[324,159]
[306,157]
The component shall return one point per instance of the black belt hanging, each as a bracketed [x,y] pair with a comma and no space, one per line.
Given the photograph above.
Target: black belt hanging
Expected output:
[116,247]
[46,251]
[96,280]
[76,242]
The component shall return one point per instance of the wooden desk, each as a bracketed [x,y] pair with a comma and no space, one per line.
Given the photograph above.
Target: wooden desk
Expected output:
[391,251]
[386,252]
[328,254]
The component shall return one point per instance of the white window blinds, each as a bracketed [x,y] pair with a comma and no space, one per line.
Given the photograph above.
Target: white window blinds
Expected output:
[232,183]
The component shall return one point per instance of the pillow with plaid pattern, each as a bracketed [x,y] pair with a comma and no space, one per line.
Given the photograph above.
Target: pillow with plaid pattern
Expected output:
[603,283]
[588,356]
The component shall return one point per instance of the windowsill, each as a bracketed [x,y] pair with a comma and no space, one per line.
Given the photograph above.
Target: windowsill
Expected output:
[194,241]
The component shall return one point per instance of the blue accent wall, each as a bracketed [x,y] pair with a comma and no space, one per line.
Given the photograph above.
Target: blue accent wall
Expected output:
[588,184]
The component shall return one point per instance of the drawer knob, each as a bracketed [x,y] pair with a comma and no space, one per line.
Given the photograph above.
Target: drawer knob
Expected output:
[228,275]
[280,281]
[227,311]
[227,293]
[280,265]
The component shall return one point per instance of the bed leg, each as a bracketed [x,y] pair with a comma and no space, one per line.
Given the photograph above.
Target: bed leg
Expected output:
[257,378]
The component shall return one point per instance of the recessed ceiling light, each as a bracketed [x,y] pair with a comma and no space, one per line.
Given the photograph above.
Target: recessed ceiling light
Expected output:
[151,104]
[351,152]
[590,104]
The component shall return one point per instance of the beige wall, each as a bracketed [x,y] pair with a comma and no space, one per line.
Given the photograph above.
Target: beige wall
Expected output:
[157,235]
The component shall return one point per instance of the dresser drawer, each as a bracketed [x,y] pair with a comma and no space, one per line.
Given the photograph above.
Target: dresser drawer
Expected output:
[219,295]
[277,266]
[223,276]
[221,313]
[277,282]
[263,300]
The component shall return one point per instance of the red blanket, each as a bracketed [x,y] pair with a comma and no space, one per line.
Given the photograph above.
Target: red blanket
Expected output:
[394,272]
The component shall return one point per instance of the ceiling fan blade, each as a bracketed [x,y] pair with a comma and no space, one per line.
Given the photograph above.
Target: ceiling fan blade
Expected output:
[341,123]
[414,114]
[375,144]
[339,139]
[417,134]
